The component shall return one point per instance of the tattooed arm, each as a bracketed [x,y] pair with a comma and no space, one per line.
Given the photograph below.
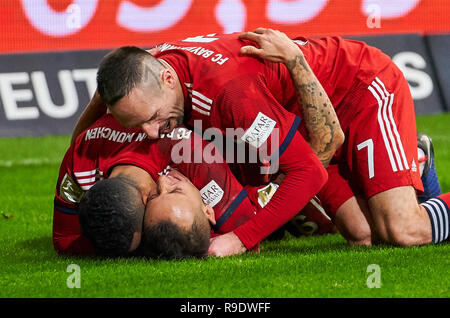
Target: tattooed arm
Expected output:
[325,135]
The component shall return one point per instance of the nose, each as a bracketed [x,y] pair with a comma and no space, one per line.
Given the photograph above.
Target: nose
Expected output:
[151,129]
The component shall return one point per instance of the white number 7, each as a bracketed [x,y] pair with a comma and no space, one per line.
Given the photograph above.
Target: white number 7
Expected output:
[369,144]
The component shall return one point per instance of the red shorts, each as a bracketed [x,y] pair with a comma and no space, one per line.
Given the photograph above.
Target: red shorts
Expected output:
[380,150]
[337,190]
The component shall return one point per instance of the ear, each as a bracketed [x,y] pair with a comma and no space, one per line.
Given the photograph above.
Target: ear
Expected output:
[168,77]
[135,242]
[209,212]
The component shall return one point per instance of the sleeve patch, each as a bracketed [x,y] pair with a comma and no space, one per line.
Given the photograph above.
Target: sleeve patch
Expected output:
[259,131]
[266,193]
[212,193]
[70,191]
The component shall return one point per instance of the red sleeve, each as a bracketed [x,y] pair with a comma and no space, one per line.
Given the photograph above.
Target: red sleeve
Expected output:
[67,237]
[271,131]
[304,177]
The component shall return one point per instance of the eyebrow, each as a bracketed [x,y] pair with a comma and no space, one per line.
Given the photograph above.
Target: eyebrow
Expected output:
[146,120]
[176,191]
[171,192]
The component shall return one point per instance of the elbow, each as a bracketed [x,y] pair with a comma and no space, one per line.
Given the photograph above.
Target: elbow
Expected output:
[339,139]
[320,176]
[58,246]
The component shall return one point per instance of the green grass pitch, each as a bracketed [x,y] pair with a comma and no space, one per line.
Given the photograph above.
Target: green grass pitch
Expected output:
[292,268]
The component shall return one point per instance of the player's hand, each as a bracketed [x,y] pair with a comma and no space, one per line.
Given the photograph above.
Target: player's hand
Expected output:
[226,245]
[274,45]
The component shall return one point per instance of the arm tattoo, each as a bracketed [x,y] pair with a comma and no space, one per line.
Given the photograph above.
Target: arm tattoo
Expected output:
[308,88]
[321,130]
[298,60]
[320,119]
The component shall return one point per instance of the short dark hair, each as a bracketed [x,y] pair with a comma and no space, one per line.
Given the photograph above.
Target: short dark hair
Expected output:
[166,240]
[120,71]
[110,213]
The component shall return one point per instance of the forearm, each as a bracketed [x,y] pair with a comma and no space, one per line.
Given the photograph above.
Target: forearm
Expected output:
[304,177]
[94,110]
[322,125]
[324,133]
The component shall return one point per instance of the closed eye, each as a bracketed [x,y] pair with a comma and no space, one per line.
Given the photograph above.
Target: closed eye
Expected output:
[153,196]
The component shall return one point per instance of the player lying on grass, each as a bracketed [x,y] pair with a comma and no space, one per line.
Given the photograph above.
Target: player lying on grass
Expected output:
[99,153]
[112,210]
[374,176]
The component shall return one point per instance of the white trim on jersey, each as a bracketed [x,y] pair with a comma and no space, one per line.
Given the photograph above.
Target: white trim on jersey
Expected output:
[85,173]
[386,121]
[86,188]
[201,96]
[201,104]
[319,207]
[85,180]
[201,111]
[85,177]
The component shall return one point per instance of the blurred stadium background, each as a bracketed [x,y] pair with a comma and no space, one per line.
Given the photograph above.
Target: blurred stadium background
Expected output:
[50,48]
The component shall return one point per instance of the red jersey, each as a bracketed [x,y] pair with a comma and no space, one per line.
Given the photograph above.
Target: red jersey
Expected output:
[311,220]
[106,144]
[224,90]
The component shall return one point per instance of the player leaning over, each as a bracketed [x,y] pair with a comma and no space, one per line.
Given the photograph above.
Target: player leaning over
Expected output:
[374,176]
[112,222]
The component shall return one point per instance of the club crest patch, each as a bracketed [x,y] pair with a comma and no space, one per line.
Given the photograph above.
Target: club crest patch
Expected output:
[70,191]
[266,193]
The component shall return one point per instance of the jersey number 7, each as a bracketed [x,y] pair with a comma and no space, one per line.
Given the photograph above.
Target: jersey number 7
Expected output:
[369,144]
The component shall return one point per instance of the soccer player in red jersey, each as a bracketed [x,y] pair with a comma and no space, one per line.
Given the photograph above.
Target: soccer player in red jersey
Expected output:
[107,150]
[374,176]
[207,79]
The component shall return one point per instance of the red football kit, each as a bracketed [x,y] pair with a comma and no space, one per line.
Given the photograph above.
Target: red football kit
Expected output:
[246,98]
[370,95]
[373,102]
[311,220]
[106,144]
